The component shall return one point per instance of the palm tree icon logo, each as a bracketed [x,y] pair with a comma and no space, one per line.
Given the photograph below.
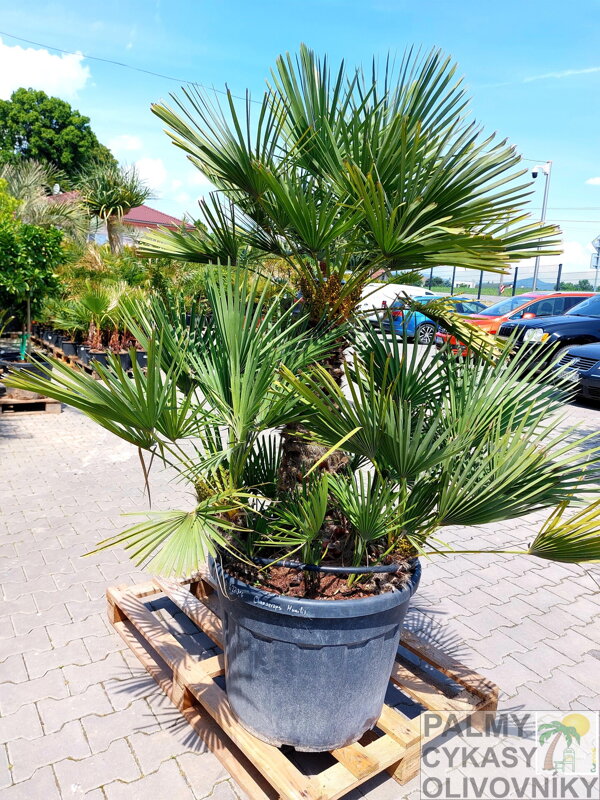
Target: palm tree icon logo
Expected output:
[570,728]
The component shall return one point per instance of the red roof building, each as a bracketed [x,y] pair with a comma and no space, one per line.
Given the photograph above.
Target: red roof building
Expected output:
[146,217]
[138,217]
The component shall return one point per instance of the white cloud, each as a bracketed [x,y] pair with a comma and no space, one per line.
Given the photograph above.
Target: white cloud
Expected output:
[61,75]
[566,73]
[153,171]
[575,256]
[183,199]
[593,181]
[125,143]
[197,178]
[176,184]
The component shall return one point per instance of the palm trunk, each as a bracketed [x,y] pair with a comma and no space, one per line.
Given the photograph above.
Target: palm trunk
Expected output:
[549,760]
[114,234]
[298,453]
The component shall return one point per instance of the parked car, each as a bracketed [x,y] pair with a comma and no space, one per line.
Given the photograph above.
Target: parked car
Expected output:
[417,325]
[581,364]
[377,297]
[522,306]
[549,339]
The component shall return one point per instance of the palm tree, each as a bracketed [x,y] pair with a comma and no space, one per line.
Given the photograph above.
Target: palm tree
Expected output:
[343,174]
[31,182]
[110,191]
[558,730]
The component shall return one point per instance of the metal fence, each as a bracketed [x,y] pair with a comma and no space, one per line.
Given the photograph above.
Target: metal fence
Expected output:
[520,279]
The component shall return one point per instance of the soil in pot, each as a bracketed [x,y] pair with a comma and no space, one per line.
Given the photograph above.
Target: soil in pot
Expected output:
[320,585]
[308,673]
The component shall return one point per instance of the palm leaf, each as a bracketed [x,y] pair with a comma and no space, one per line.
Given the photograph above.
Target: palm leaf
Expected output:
[178,542]
[573,539]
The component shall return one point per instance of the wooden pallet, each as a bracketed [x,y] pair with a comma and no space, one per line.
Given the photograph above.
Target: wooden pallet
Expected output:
[29,405]
[263,771]
[72,361]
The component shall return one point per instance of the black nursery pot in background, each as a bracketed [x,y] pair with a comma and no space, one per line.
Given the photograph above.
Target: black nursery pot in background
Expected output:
[32,366]
[291,662]
[83,353]
[69,347]
[125,360]
[101,357]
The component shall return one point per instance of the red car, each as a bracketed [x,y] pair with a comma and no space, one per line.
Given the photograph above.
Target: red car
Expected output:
[521,306]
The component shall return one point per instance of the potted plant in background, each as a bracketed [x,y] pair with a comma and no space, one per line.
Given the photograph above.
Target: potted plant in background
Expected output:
[322,522]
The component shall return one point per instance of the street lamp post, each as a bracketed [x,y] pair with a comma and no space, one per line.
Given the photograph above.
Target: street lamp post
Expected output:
[596,260]
[545,169]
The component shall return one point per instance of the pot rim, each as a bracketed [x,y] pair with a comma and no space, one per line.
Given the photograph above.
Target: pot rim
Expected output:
[235,589]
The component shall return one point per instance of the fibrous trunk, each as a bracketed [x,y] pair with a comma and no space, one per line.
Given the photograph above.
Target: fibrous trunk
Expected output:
[299,454]
[114,234]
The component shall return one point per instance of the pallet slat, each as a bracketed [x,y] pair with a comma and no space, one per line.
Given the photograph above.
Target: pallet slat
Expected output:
[20,406]
[263,771]
[464,676]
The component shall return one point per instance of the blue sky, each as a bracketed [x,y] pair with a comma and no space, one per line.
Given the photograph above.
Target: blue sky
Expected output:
[532,68]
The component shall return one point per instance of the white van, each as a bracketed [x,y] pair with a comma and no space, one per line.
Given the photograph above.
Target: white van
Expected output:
[376,297]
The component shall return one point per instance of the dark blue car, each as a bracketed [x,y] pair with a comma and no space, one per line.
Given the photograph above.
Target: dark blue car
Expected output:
[418,326]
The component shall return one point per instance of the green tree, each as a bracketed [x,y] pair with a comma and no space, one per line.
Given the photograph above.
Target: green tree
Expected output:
[35,125]
[29,258]
[111,191]
[585,286]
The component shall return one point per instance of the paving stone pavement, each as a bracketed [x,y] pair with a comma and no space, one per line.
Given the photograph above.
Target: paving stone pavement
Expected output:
[80,718]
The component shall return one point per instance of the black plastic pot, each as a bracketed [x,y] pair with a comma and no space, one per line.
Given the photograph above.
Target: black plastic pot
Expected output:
[69,348]
[125,360]
[101,357]
[308,673]
[9,354]
[83,353]
[24,366]
[56,338]
[141,356]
